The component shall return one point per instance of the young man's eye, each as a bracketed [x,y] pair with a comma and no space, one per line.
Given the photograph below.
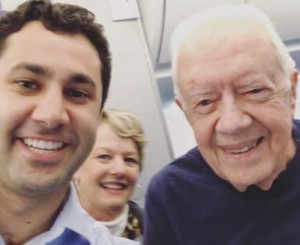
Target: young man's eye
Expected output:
[27,84]
[78,94]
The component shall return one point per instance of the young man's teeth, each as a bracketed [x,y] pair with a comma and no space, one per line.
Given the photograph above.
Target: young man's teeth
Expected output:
[42,144]
[242,150]
[39,151]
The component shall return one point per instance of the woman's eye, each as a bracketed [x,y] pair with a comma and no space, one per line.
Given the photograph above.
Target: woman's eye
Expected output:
[103,157]
[131,160]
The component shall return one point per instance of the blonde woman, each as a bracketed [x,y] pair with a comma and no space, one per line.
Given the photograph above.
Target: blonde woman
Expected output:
[107,179]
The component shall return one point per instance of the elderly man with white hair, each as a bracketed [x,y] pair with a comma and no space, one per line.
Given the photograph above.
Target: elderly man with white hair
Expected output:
[235,82]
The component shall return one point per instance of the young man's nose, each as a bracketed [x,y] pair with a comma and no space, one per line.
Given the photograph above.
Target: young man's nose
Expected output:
[51,109]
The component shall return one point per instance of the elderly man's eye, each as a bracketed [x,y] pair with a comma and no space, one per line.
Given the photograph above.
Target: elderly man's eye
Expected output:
[205,102]
[255,90]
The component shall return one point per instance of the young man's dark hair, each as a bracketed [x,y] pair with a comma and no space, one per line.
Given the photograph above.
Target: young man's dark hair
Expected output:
[61,18]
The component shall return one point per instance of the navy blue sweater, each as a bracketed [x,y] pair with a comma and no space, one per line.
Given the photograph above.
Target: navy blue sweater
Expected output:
[188,204]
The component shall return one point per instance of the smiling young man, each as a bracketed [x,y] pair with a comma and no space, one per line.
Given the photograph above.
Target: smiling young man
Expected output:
[54,77]
[235,83]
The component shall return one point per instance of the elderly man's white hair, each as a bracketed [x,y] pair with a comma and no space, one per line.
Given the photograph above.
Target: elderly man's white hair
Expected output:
[228,21]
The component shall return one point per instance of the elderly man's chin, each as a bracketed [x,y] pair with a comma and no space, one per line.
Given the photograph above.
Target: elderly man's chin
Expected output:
[264,183]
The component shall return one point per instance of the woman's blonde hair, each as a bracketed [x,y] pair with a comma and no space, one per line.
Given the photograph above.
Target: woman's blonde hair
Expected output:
[126,125]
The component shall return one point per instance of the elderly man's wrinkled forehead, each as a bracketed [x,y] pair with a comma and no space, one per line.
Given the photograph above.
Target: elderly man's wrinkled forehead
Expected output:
[217,33]
[211,46]
[208,59]
[222,34]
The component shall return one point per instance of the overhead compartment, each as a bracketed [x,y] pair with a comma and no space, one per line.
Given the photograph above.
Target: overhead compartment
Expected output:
[286,18]
[284,15]
[161,16]
[175,11]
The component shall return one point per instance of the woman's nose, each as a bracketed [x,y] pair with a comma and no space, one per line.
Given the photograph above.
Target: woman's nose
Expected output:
[118,167]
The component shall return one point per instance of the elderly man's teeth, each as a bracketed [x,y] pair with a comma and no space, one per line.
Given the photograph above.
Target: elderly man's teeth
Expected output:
[243,149]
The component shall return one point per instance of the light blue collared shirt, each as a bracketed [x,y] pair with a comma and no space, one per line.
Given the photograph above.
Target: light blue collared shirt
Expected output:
[73,220]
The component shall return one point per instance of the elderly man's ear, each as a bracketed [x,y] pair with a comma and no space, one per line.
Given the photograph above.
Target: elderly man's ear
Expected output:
[178,102]
[181,105]
[294,81]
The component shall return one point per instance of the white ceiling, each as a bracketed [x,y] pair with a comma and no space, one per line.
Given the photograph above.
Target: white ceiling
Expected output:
[161,16]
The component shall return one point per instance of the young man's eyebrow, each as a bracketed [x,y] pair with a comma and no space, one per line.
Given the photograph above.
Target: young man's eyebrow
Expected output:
[82,78]
[34,68]
[44,71]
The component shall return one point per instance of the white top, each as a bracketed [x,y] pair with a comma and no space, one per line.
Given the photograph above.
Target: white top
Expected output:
[117,225]
[75,219]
